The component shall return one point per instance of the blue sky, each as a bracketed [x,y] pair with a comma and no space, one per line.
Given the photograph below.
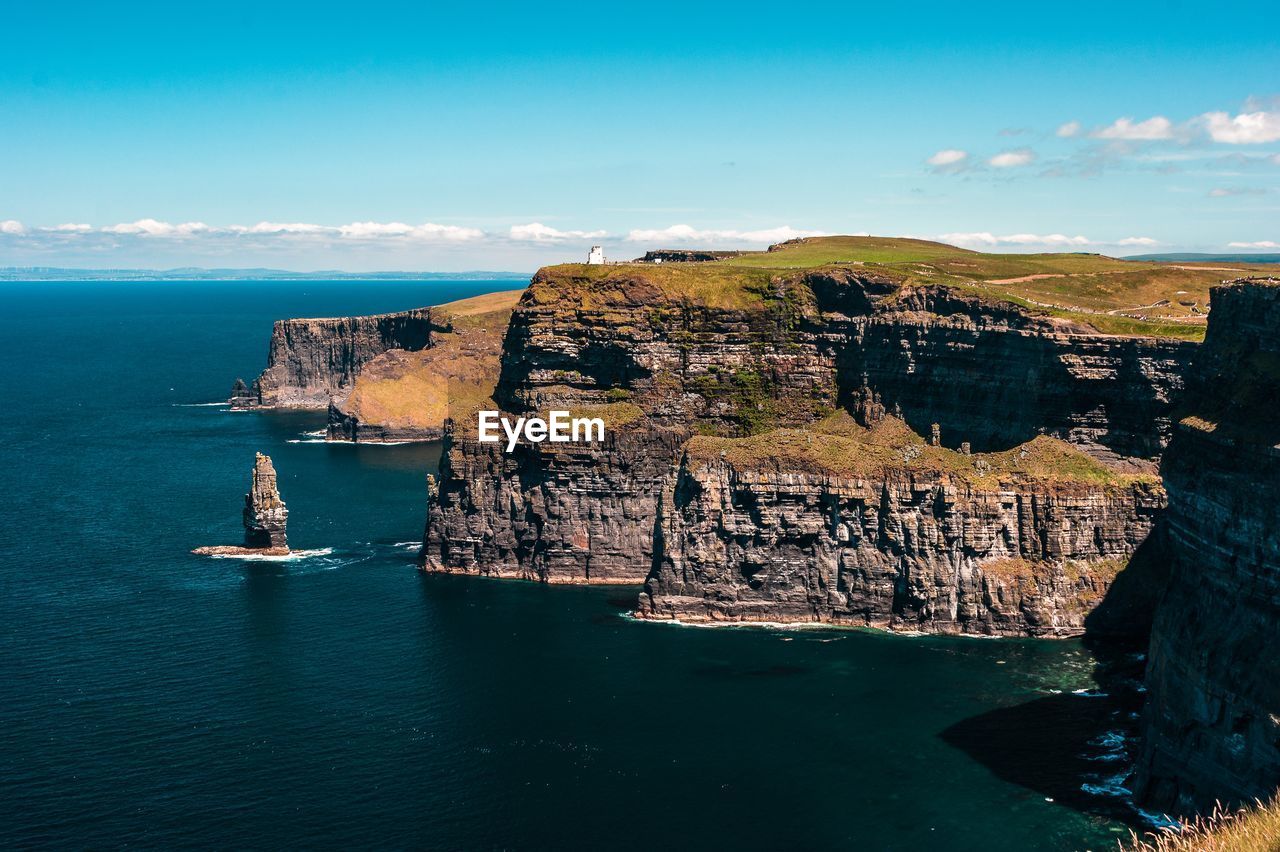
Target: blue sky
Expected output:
[505,136]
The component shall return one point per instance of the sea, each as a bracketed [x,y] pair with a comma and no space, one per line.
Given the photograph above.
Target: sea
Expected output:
[339,698]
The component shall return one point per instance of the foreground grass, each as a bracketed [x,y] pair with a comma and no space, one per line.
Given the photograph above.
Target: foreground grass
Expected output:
[1255,829]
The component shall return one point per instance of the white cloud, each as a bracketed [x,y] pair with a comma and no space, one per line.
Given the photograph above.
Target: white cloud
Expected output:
[686,234]
[540,233]
[425,231]
[428,231]
[154,228]
[948,157]
[12,227]
[281,228]
[1012,159]
[1071,128]
[69,228]
[986,238]
[1260,244]
[1225,191]
[989,240]
[1156,127]
[1247,128]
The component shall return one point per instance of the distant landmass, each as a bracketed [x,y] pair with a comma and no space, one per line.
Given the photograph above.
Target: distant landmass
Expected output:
[1193,257]
[191,273]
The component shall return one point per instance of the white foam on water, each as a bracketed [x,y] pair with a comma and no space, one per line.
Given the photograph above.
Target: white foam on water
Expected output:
[201,404]
[785,626]
[1112,787]
[321,440]
[1158,820]
[319,433]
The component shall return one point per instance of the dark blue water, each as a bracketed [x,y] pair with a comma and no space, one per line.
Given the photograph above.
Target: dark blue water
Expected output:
[152,698]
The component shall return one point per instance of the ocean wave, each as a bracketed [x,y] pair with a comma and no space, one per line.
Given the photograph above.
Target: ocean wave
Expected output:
[309,441]
[318,433]
[200,404]
[1111,787]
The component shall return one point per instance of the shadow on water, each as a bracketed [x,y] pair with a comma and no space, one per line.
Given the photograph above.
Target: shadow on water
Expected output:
[1075,748]
[1079,749]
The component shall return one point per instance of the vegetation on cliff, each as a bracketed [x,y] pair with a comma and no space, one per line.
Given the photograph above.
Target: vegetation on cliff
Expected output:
[415,392]
[840,446]
[1109,295]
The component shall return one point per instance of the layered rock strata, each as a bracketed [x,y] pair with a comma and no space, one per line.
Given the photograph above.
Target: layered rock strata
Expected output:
[559,513]
[954,359]
[265,517]
[698,349]
[803,527]
[311,361]
[1212,723]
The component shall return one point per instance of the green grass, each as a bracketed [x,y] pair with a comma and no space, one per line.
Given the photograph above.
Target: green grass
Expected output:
[838,445]
[1112,296]
[454,378]
[626,286]
[823,251]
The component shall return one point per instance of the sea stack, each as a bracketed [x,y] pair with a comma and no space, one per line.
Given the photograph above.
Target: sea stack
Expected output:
[265,514]
[265,517]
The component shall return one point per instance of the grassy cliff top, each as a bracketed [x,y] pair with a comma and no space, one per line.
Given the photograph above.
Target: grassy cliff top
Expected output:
[453,378]
[486,304]
[1113,296]
[839,446]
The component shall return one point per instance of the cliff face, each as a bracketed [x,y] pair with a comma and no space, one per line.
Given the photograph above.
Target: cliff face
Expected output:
[953,359]
[769,350]
[560,513]
[812,340]
[902,547]
[1212,724]
[312,360]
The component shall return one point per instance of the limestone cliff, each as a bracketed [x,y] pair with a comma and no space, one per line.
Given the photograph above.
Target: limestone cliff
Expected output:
[312,360]
[872,527]
[560,513]
[1212,724]
[735,352]
[953,359]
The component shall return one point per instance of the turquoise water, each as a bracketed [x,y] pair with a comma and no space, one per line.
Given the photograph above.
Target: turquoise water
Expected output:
[152,698]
